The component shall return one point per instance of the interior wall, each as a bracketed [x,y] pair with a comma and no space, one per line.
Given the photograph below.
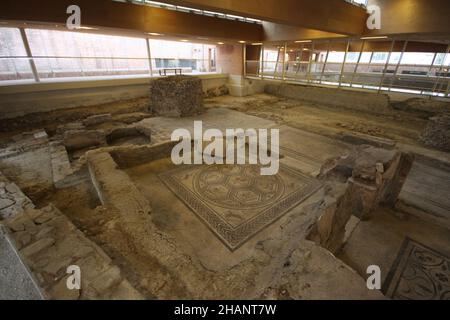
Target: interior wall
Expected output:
[230,59]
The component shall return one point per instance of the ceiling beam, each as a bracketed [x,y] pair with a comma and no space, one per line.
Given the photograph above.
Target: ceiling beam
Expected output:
[128,16]
[274,32]
[414,17]
[335,16]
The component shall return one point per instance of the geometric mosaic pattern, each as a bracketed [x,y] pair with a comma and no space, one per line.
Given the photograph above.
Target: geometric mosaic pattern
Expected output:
[419,273]
[236,201]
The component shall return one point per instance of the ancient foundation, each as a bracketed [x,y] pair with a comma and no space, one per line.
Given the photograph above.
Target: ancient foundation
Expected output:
[176,96]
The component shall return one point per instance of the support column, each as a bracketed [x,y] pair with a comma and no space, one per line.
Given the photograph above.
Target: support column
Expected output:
[386,65]
[23,34]
[308,75]
[149,54]
[325,62]
[343,63]
[398,64]
[357,63]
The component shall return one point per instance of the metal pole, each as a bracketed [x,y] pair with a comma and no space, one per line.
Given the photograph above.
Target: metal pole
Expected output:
[283,74]
[244,55]
[398,64]
[276,63]
[357,63]
[262,61]
[301,57]
[448,88]
[440,70]
[431,68]
[23,34]
[386,66]
[368,66]
[325,62]
[343,62]
[149,57]
[308,75]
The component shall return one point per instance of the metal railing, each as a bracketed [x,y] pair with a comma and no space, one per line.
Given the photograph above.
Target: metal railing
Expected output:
[381,75]
[29,67]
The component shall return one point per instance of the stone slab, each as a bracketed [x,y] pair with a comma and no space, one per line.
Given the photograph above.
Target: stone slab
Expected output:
[16,281]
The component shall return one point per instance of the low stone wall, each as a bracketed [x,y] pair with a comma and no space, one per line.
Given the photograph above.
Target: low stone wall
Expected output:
[50,243]
[12,200]
[16,280]
[357,185]
[20,100]
[360,101]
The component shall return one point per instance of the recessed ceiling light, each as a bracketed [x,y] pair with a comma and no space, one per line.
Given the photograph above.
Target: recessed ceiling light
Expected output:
[371,38]
[184,40]
[305,49]
[154,34]
[86,28]
[302,41]
[242,41]
[257,44]
[220,43]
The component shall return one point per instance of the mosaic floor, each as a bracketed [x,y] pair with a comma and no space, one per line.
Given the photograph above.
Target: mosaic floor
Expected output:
[236,202]
[419,273]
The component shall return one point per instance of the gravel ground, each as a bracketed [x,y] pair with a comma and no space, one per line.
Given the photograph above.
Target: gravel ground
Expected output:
[16,282]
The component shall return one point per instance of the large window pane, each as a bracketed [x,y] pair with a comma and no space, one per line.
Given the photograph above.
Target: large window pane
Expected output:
[74,54]
[190,57]
[12,67]
[11,43]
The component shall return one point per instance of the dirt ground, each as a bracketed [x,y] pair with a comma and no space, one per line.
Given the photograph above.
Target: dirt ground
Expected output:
[330,121]
[50,120]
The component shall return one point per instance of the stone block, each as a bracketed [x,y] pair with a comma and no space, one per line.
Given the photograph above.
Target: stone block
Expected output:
[361,138]
[437,132]
[79,139]
[329,229]
[97,119]
[176,96]
[38,246]
[70,126]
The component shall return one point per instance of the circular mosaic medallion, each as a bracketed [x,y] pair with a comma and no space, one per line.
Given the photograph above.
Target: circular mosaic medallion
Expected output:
[238,186]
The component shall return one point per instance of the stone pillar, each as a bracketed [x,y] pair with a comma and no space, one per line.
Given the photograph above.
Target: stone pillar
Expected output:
[176,96]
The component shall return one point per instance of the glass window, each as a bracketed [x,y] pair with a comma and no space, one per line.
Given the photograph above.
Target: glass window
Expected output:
[362,2]
[11,43]
[417,58]
[336,57]
[191,57]
[76,54]
[14,64]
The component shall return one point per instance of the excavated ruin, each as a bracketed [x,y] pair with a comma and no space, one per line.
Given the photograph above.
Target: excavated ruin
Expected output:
[101,192]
